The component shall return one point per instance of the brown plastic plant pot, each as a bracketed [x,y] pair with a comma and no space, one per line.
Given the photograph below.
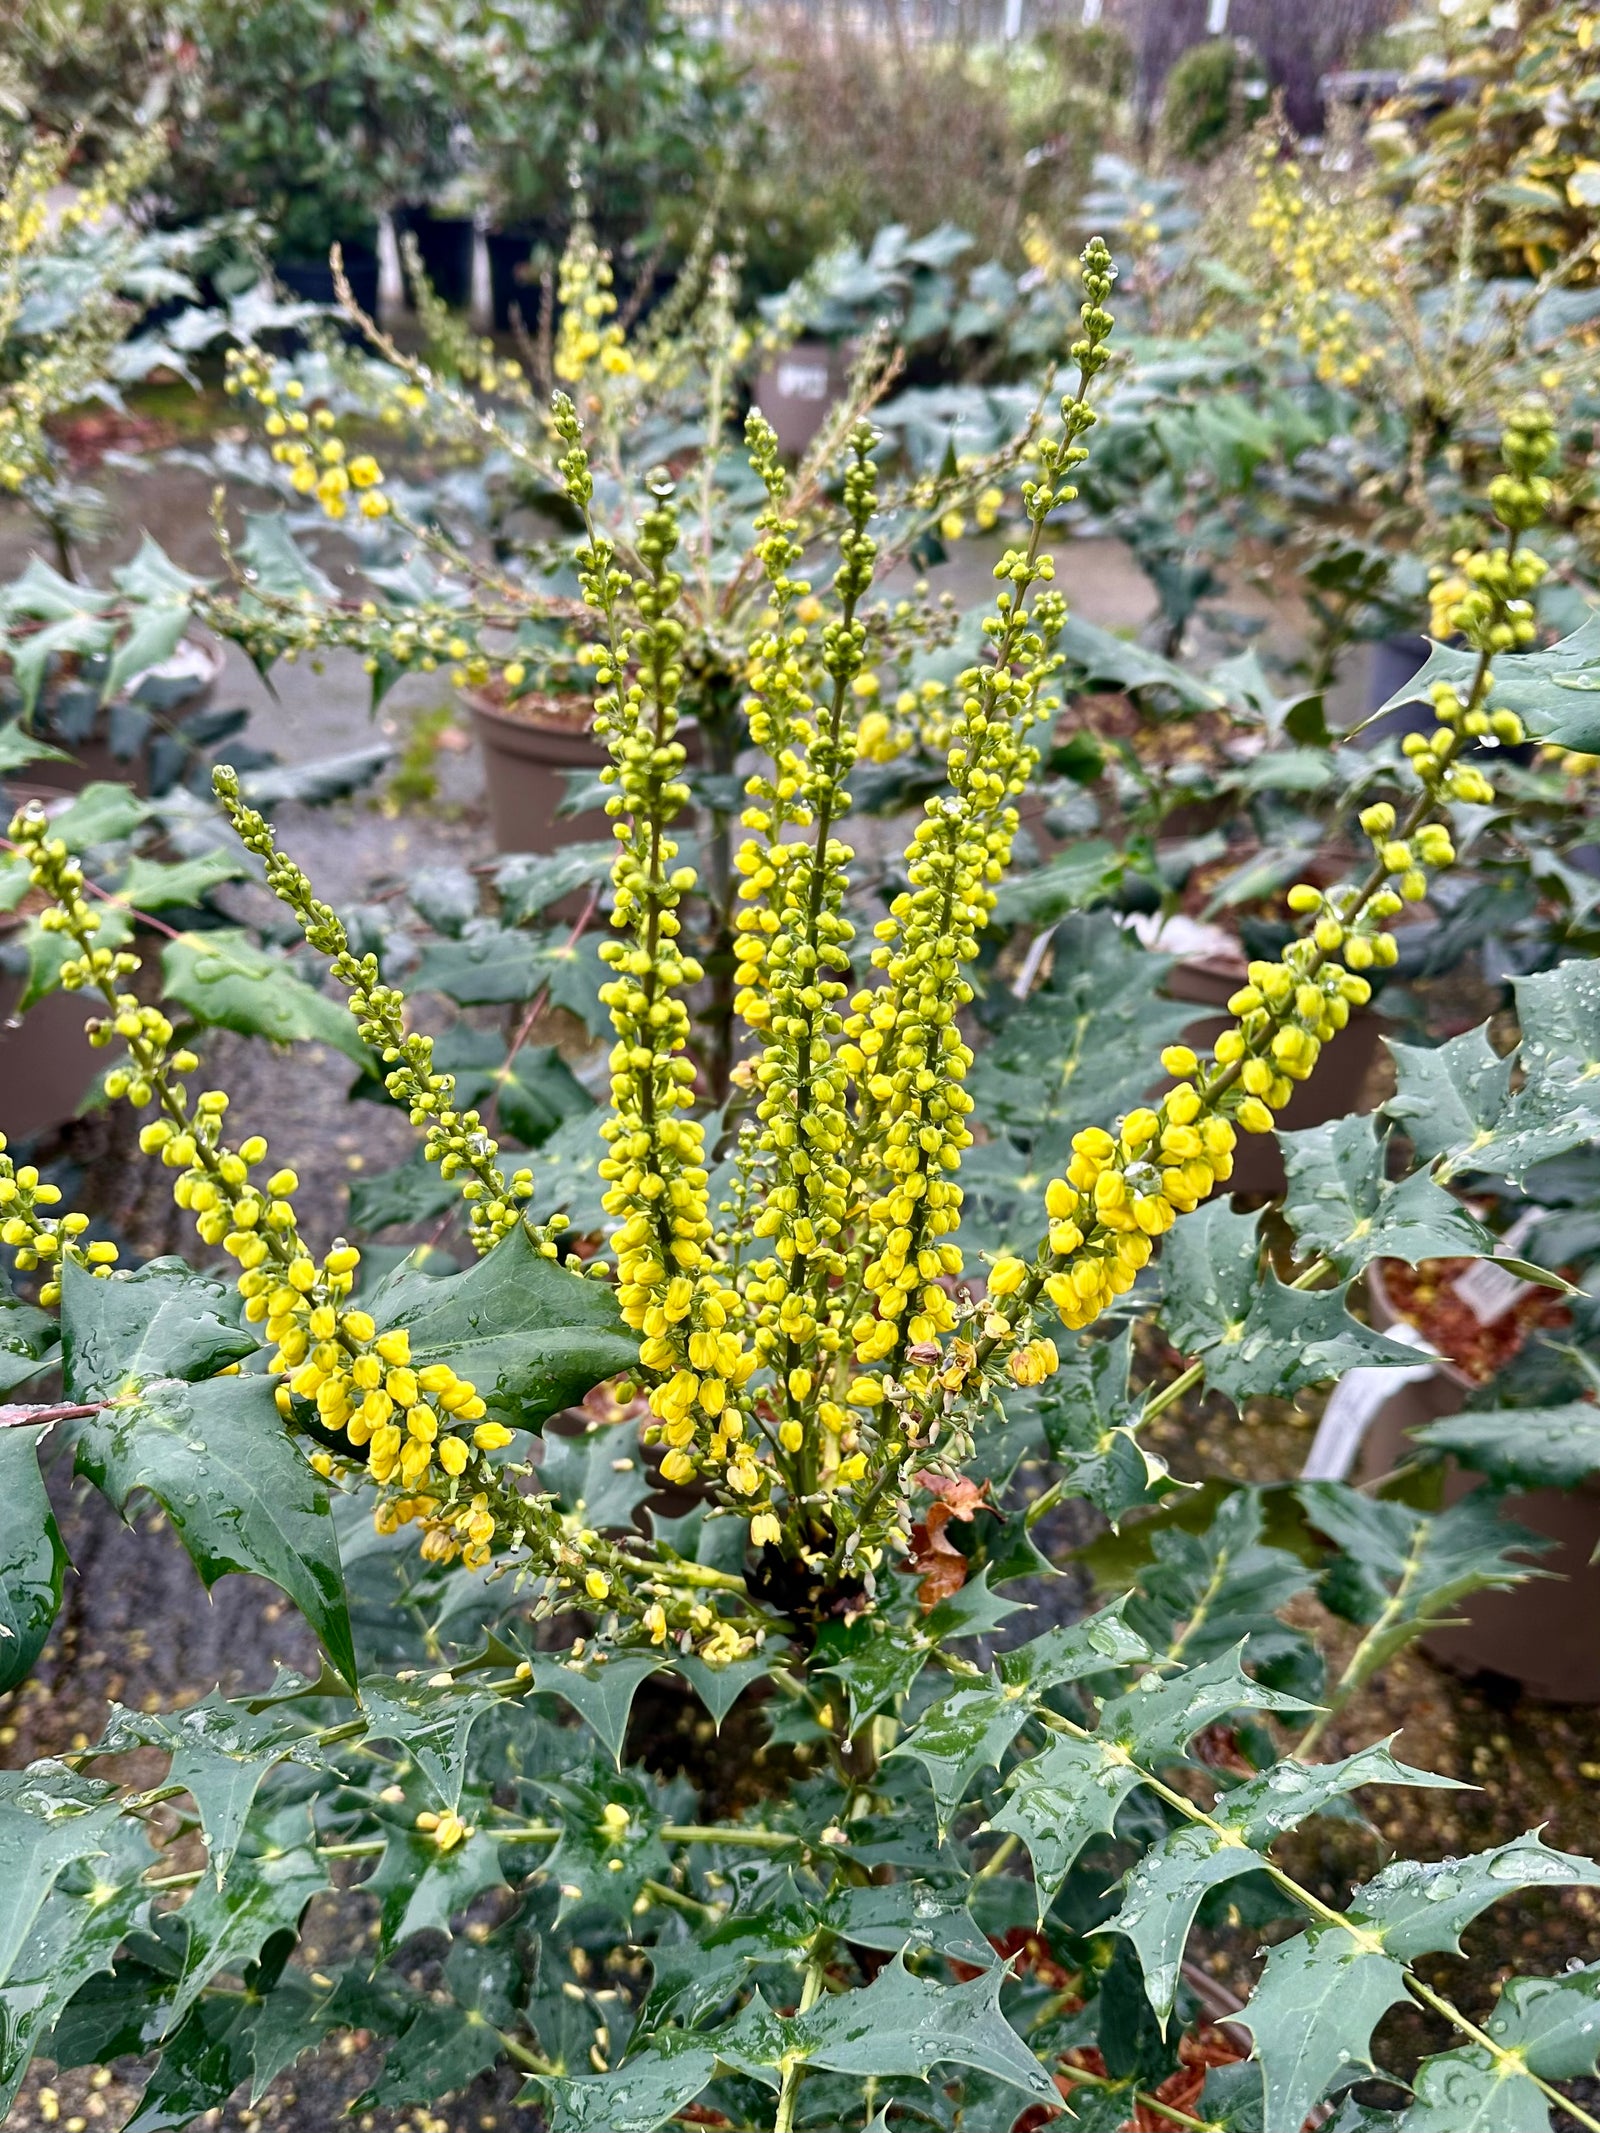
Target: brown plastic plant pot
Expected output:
[1544,1634]
[799,389]
[1336,1086]
[47,1064]
[527,757]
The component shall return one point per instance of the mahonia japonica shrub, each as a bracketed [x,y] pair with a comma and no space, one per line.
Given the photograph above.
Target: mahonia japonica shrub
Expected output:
[804,1361]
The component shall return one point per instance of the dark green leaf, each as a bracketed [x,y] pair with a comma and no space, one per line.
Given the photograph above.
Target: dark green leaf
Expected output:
[103,813]
[899,2025]
[74,1933]
[200,2066]
[966,1730]
[606,1862]
[1084,874]
[1253,1334]
[420,1888]
[238,1493]
[1059,1800]
[411,1193]
[32,1558]
[157,885]
[445,896]
[1420,1907]
[601,1475]
[1553,691]
[1158,1716]
[122,1330]
[1526,1447]
[1339,1205]
[1120,663]
[1471,2091]
[1450,1098]
[439,2051]
[1313,2014]
[1092,1422]
[601,1690]
[268,550]
[909,1915]
[226,981]
[432,1723]
[720,1687]
[531,1336]
[1206,1592]
[1281,1798]
[645,2092]
[1078,1052]
[874,1663]
[529,882]
[329,777]
[1401,1569]
[276,1872]
[1075,1650]
[49,1817]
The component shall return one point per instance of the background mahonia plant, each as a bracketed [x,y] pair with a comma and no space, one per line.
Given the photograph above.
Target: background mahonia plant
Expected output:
[805,1370]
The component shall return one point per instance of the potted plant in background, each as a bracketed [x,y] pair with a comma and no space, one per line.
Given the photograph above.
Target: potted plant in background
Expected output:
[317,121]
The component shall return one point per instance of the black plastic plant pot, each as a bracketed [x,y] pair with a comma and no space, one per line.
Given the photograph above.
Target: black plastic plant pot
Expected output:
[513,280]
[444,243]
[312,279]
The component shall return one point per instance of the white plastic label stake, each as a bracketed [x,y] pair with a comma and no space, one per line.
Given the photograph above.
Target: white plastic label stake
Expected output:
[1353,1406]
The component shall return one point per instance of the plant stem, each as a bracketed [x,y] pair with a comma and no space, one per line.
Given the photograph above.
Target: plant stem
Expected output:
[793,2065]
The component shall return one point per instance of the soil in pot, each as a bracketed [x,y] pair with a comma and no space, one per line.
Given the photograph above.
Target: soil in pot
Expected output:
[1544,1634]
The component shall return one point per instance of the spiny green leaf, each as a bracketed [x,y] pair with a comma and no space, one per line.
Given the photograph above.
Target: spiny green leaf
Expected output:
[601,1691]
[1092,1422]
[412,1192]
[120,1331]
[1339,1205]
[1420,1907]
[1077,1052]
[1402,1569]
[720,1687]
[968,1728]
[1451,1097]
[94,1904]
[1073,1650]
[646,2091]
[1553,691]
[1059,1800]
[433,1724]
[1157,1717]
[1254,1335]
[276,1872]
[600,1474]
[420,1888]
[601,1862]
[160,885]
[909,1915]
[1163,1894]
[200,2066]
[1313,2013]
[1165,1888]
[1281,1798]
[238,1493]
[529,882]
[1554,2022]
[1082,875]
[1205,1592]
[531,1336]
[226,981]
[874,1663]
[1523,1447]
[220,1753]
[1471,2091]
[33,1560]
[899,2025]
[49,1817]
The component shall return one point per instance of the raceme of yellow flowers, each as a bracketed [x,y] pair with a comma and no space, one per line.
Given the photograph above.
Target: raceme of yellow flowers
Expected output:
[807,1357]
[1322,249]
